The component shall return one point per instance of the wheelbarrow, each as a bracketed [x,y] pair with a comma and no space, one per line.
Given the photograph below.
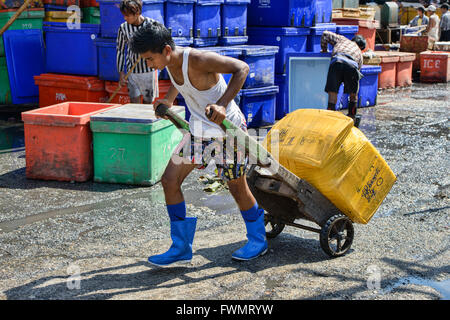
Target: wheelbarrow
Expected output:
[284,196]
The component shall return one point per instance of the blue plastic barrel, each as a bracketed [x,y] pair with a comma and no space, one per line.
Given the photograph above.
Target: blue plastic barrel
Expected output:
[71,51]
[261,60]
[107,55]
[290,40]
[24,51]
[347,31]
[258,105]
[179,17]
[234,22]
[368,89]
[207,25]
[313,43]
[282,13]
[111,18]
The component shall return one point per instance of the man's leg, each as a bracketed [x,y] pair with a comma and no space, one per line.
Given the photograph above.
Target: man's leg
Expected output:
[182,229]
[254,220]
[332,100]
[334,80]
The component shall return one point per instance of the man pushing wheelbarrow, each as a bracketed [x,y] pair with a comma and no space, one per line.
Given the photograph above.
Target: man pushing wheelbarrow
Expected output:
[197,75]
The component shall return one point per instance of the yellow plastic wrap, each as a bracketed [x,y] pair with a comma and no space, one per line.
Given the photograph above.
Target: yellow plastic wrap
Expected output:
[325,149]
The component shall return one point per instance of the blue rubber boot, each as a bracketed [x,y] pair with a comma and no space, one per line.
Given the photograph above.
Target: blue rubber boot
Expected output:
[257,243]
[182,234]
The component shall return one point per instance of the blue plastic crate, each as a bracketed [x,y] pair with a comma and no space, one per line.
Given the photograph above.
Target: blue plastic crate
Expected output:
[282,106]
[347,31]
[306,78]
[290,40]
[313,43]
[258,105]
[323,11]
[24,51]
[207,25]
[234,22]
[179,18]
[107,55]
[71,51]
[282,13]
[183,41]
[111,18]
[368,89]
[261,60]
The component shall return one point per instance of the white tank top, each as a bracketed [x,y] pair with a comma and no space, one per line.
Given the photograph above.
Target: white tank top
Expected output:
[197,100]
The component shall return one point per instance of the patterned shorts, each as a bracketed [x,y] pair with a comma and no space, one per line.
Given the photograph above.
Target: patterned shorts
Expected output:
[231,160]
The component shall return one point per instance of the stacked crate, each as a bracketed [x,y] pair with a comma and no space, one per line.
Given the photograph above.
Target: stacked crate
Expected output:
[296,29]
[21,53]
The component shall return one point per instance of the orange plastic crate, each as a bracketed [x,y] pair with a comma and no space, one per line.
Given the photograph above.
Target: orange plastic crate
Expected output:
[387,77]
[57,88]
[435,66]
[122,96]
[58,141]
[405,69]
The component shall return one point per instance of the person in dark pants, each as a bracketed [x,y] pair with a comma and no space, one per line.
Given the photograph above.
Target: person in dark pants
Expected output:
[445,23]
[345,66]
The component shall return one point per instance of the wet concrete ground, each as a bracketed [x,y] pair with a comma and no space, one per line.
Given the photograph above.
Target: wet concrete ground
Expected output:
[62,240]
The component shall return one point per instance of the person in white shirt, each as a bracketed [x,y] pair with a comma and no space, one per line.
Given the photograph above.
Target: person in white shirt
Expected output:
[433,27]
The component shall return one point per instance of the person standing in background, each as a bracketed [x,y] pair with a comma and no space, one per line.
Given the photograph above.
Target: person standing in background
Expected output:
[433,27]
[345,66]
[143,80]
[419,20]
[445,23]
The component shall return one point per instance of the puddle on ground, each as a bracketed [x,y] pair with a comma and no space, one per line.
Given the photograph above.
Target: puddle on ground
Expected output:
[443,287]
[11,135]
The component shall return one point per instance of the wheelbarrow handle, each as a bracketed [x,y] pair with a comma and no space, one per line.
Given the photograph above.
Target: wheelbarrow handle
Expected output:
[250,144]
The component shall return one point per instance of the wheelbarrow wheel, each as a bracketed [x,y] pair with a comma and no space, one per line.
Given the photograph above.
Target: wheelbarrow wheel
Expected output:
[273,226]
[336,236]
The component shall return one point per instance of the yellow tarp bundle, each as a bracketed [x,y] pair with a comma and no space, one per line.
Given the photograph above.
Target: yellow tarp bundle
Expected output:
[325,149]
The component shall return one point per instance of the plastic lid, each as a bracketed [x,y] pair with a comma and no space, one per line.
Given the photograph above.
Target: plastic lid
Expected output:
[218,50]
[347,29]
[132,113]
[370,69]
[237,2]
[259,91]
[69,81]
[209,1]
[319,29]
[274,31]
[258,50]
[62,26]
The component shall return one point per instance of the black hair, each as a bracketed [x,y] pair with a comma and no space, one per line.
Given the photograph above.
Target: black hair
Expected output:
[131,6]
[360,41]
[153,36]
[421,9]
[444,6]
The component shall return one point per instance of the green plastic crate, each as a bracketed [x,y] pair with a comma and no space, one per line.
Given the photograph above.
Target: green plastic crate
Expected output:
[5,89]
[29,19]
[91,15]
[131,146]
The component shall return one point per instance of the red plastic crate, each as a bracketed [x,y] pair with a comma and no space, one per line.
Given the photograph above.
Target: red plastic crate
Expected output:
[58,141]
[435,66]
[56,88]
[404,69]
[387,77]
